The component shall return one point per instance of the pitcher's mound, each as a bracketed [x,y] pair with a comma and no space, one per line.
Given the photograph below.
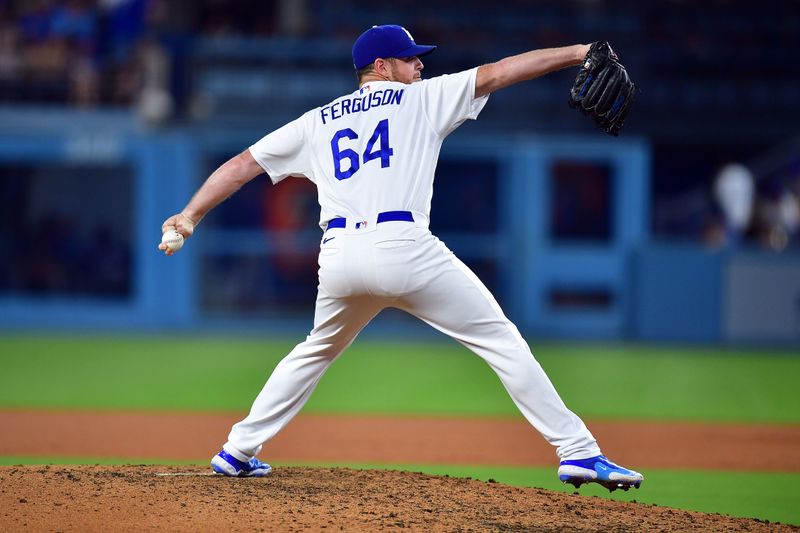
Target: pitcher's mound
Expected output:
[181,498]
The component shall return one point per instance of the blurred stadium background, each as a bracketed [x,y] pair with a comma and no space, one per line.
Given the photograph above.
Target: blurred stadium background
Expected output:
[673,250]
[685,228]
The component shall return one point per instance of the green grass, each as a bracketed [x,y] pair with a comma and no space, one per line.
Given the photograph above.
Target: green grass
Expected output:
[767,496]
[223,374]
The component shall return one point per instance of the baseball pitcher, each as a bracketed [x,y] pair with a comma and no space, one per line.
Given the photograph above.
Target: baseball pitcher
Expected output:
[372,155]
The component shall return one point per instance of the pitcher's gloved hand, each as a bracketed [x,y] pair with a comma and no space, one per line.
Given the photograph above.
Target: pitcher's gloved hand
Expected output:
[602,89]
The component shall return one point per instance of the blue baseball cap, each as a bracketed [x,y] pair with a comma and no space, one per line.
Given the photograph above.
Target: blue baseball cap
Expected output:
[386,41]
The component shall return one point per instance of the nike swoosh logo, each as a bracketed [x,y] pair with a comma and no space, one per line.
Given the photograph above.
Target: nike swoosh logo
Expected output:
[328,239]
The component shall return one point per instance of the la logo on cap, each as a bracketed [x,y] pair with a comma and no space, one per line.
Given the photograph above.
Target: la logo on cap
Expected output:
[386,41]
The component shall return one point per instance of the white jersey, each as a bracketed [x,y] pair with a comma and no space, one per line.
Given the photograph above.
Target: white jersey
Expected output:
[373,150]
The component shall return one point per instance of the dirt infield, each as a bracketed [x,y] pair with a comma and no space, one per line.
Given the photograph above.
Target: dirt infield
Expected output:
[180,498]
[142,498]
[398,440]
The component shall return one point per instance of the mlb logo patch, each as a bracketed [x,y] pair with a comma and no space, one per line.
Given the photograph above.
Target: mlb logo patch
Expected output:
[361,225]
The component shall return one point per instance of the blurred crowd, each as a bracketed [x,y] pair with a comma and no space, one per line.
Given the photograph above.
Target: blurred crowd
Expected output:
[114,52]
[92,52]
[751,201]
[765,212]
[74,51]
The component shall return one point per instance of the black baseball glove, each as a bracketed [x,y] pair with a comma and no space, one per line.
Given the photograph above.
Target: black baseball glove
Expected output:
[603,89]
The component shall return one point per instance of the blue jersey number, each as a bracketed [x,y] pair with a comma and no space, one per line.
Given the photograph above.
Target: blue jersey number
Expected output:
[347,153]
[384,152]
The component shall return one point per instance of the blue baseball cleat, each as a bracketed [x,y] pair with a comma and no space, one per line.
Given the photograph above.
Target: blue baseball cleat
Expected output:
[598,470]
[228,465]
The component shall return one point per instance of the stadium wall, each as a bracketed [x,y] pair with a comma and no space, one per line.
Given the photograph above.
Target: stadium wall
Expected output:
[605,277]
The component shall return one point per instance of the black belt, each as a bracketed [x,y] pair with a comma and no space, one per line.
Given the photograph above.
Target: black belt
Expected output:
[386,216]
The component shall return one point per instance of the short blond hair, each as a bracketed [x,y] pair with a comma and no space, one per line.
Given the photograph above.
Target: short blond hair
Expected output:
[369,69]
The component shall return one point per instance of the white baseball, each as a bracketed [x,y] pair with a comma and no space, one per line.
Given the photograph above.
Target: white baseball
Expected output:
[173,240]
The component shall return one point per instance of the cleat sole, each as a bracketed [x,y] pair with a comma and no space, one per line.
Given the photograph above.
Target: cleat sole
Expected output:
[610,485]
[575,482]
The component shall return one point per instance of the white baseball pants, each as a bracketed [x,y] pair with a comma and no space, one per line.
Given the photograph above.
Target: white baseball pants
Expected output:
[402,265]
